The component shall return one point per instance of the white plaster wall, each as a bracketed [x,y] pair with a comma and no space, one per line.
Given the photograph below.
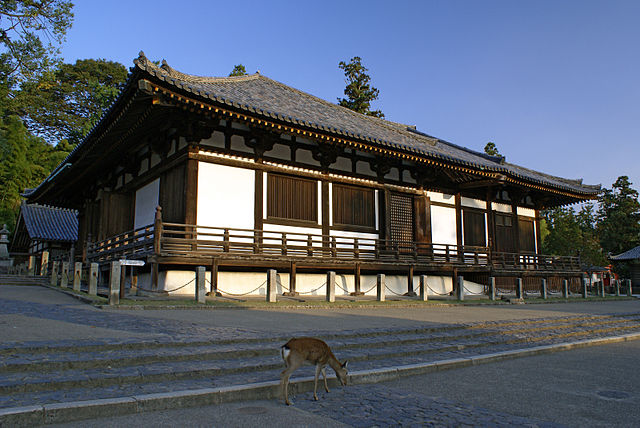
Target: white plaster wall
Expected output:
[225,196]
[182,283]
[526,212]
[502,208]
[443,225]
[442,198]
[146,203]
[473,203]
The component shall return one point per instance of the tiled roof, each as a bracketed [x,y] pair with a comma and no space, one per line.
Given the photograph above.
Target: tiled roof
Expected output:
[50,223]
[632,254]
[263,96]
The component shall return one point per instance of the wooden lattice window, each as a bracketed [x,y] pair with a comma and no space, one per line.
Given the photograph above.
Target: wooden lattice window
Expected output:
[474,228]
[292,198]
[353,206]
[401,215]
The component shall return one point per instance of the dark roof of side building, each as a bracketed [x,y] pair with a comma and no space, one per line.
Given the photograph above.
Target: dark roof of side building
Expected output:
[632,254]
[48,223]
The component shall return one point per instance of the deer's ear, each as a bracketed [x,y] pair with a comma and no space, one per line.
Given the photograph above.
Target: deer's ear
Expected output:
[344,365]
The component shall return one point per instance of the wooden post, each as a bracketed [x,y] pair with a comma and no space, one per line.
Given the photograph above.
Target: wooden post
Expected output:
[584,287]
[460,289]
[114,284]
[380,286]
[44,263]
[410,292]
[424,291]
[123,281]
[200,287]
[213,291]
[543,288]
[492,287]
[64,278]
[77,276]
[292,281]
[54,274]
[565,288]
[93,279]
[519,290]
[629,288]
[157,231]
[271,285]
[356,281]
[331,286]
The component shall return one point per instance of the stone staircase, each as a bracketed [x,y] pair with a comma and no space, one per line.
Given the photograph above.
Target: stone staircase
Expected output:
[52,373]
[10,279]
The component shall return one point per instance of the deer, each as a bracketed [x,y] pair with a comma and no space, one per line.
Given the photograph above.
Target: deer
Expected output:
[299,351]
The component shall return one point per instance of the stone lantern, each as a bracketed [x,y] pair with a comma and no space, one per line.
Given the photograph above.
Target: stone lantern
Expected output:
[5,261]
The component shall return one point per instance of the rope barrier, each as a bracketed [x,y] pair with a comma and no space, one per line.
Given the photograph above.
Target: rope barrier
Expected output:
[372,287]
[314,290]
[166,291]
[469,292]
[436,293]
[341,288]
[392,292]
[240,294]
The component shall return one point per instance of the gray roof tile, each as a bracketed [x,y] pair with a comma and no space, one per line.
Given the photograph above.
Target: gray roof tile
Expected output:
[50,223]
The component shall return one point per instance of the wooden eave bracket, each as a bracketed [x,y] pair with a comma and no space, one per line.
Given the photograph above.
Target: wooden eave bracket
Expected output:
[496,181]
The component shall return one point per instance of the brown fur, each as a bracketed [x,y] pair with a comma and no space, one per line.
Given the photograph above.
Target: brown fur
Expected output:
[312,351]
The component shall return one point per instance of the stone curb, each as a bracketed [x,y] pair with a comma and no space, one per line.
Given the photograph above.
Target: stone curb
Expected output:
[78,410]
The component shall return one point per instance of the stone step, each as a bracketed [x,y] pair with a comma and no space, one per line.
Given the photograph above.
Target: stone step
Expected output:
[228,364]
[68,358]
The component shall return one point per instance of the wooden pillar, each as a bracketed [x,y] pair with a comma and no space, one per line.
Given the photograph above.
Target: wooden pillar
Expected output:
[326,225]
[492,287]
[213,291]
[515,196]
[123,281]
[258,213]
[538,236]
[191,193]
[458,199]
[292,281]
[491,231]
[356,281]
[410,292]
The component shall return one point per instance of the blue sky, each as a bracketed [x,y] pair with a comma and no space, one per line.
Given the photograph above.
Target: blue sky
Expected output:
[555,84]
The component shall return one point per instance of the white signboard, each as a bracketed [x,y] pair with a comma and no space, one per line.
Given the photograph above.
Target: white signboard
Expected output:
[124,262]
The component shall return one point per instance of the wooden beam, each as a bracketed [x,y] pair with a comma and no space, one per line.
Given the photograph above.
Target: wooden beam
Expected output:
[499,180]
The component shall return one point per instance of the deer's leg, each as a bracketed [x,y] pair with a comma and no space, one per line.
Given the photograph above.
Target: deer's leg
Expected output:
[324,375]
[315,382]
[284,383]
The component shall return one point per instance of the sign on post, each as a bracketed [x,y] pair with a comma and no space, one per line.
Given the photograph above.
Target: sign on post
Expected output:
[125,262]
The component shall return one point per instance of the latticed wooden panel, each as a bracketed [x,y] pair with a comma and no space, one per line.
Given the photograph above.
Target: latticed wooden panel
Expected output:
[401,213]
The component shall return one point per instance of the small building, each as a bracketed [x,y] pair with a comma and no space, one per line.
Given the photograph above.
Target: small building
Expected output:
[243,174]
[44,229]
[632,257]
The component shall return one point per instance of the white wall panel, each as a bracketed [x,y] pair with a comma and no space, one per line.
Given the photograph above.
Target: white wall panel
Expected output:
[225,196]
[146,203]
[443,225]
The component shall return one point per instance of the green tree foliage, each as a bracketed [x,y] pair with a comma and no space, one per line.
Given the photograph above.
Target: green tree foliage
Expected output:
[619,217]
[25,160]
[238,70]
[491,149]
[359,92]
[31,32]
[66,103]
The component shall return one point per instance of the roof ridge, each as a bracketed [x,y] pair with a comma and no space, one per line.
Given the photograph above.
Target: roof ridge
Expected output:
[143,62]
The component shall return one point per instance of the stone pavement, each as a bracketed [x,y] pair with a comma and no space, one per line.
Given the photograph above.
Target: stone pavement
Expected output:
[44,329]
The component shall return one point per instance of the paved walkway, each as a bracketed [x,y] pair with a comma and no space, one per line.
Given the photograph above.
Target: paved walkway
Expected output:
[37,316]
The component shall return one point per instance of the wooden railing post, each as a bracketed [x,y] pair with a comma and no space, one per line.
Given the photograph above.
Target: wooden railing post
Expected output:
[157,231]
[225,241]
[356,248]
[284,244]
[309,246]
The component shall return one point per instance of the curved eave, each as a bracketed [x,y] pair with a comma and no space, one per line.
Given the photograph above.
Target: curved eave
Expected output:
[292,125]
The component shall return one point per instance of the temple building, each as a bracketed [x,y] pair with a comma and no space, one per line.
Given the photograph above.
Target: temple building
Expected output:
[244,174]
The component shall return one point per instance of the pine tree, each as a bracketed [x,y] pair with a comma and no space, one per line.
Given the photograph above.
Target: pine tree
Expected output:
[359,92]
